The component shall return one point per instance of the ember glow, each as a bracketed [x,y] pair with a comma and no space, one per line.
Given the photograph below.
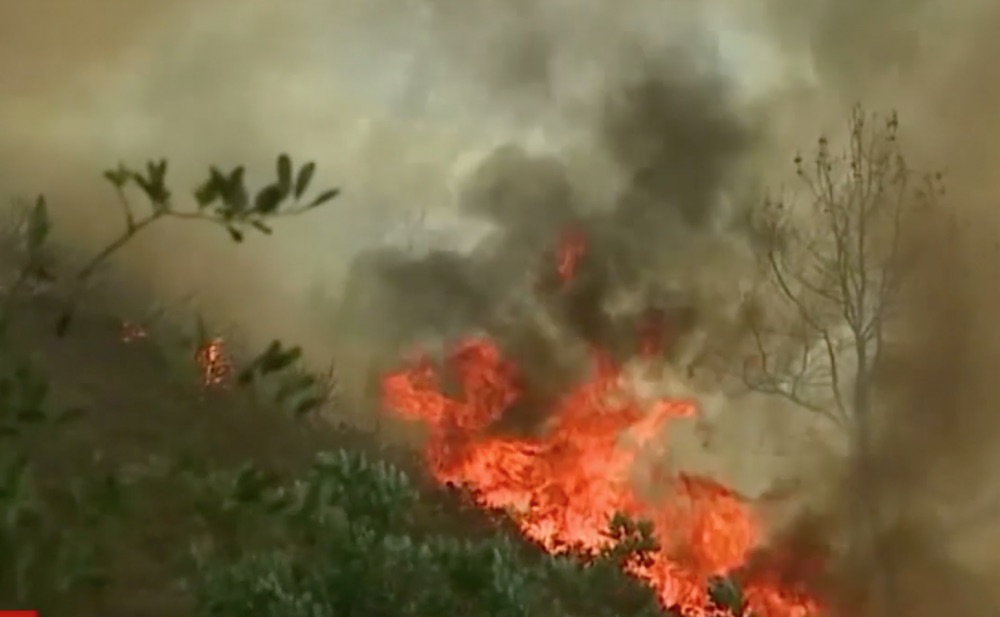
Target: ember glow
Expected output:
[568,254]
[132,332]
[212,363]
[562,486]
[214,366]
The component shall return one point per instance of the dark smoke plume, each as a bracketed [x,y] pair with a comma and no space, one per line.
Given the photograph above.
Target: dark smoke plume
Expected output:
[677,139]
[668,143]
[934,462]
[679,143]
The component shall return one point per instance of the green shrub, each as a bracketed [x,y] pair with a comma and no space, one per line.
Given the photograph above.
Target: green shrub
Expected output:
[349,547]
[53,535]
[56,533]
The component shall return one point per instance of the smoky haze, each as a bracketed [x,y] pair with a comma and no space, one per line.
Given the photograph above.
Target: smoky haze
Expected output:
[511,122]
[930,60]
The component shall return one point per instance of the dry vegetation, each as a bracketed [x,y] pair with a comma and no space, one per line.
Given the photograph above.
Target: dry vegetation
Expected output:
[857,304]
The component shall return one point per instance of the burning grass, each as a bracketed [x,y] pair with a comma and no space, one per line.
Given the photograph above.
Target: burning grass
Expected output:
[562,485]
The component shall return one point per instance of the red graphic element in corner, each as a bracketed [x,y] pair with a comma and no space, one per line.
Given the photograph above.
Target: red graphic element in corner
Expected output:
[18,613]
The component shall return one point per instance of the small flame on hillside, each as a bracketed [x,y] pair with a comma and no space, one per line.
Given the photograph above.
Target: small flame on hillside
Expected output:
[210,357]
[132,332]
[215,366]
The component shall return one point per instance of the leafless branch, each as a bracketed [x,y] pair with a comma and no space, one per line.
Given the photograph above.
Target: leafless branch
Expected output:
[836,263]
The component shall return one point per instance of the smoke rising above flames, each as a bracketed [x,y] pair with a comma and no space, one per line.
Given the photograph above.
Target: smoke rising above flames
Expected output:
[561,295]
[646,140]
[675,142]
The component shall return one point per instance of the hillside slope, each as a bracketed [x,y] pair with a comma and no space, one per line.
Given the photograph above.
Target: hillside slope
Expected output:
[144,400]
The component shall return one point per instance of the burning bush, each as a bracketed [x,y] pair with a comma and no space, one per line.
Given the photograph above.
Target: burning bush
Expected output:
[563,486]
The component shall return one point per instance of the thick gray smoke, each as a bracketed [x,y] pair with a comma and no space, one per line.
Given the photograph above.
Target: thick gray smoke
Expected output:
[676,142]
[509,124]
[678,136]
[934,62]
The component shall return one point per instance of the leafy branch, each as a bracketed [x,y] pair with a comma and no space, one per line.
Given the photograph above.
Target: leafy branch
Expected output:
[223,199]
[296,387]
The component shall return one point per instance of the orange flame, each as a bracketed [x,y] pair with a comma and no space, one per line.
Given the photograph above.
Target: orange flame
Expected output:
[563,486]
[132,332]
[213,363]
[571,248]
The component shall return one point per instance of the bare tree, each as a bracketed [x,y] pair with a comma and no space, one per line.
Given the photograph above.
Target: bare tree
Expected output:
[833,261]
[833,264]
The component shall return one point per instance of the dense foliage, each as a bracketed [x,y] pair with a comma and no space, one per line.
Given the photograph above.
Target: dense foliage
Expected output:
[344,541]
[351,535]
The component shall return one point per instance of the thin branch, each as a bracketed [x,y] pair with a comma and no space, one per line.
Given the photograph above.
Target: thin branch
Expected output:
[134,228]
[126,208]
[852,269]
[237,210]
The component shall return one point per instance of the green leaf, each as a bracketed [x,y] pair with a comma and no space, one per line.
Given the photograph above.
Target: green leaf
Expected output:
[273,348]
[64,322]
[322,198]
[154,184]
[245,377]
[248,373]
[217,178]
[208,192]
[236,176]
[268,199]
[235,234]
[234,193]
[157,171]
[39,225]
[262,227]
[144,183]
[284,174]
[309,405]
[118,177]
[305,177]
[280,360]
